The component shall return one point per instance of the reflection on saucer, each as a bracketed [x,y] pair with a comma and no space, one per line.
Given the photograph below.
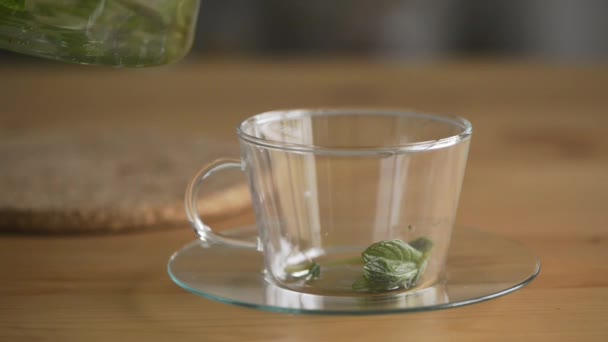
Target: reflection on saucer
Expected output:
[280,297]
[496,267]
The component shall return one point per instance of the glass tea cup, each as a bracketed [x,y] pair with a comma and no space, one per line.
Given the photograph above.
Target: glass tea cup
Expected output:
[348,202]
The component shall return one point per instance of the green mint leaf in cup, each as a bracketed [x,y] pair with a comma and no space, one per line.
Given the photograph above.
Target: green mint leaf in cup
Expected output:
[422,244]
[361,285]
[391,250]
[17,5]
[385,275]
[314,271]
[393,264]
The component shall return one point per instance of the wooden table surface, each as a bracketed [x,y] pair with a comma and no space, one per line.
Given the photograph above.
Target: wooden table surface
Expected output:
[537,172]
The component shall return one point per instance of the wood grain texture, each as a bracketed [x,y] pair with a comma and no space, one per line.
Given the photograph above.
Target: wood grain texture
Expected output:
[537,172]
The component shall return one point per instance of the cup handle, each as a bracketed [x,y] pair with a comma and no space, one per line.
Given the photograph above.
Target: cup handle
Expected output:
[205,232]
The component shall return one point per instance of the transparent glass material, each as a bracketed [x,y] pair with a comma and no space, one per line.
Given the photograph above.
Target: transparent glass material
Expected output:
[326,184]
[131,33]
[480,266]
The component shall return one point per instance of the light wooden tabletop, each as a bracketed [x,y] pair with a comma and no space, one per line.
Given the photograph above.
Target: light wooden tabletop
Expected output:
[537,173]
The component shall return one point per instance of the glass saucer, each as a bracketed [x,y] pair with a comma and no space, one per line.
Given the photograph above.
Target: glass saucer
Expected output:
[481,266]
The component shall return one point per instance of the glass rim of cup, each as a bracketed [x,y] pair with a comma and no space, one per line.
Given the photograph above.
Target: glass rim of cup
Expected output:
[413,147]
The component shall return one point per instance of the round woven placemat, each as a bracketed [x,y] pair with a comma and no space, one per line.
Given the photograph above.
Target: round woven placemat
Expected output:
[109,181]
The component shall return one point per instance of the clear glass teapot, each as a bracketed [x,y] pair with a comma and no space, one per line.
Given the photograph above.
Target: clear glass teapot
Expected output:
[130,33]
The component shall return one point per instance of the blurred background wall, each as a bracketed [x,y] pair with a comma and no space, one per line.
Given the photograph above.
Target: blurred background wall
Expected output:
[547,29]
[550,30]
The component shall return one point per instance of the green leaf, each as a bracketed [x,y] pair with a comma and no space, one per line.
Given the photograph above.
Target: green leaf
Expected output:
[393,264]
[421,269]
[422,244]
[395,250]
[384,275]
[314,272]
[361,285]
[18,5]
